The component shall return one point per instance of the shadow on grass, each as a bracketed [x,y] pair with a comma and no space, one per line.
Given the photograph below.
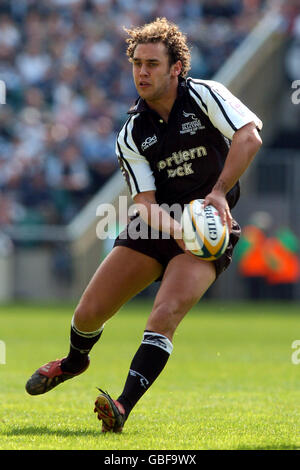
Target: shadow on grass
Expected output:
[44,430]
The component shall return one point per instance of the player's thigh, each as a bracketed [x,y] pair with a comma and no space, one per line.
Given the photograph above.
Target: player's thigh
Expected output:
[123,274]
[185,281]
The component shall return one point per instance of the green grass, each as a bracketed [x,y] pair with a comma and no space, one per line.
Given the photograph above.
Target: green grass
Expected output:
[229,384]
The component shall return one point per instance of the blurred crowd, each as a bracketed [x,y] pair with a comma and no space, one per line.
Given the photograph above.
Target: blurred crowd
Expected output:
[68,88]
[288,136]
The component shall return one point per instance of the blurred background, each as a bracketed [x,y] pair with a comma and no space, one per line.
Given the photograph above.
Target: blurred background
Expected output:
[68,88]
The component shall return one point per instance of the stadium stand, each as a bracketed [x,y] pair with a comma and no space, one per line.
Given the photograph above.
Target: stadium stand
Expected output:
[69,87]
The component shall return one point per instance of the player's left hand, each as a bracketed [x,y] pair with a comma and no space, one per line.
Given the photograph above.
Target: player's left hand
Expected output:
[218,200]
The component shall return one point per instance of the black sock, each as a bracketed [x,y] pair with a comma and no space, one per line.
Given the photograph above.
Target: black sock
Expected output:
[147,364]
[80,345]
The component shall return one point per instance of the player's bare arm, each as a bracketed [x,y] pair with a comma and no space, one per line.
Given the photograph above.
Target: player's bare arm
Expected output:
[245,144]
[155,216]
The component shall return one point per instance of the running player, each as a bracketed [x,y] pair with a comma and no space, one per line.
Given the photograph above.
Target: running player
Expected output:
[184,139]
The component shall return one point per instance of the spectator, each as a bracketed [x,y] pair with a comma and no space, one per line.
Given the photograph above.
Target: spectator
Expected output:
[69,177]
[97,143]
[33,64]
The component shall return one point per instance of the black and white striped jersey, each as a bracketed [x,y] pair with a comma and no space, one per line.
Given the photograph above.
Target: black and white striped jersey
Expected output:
[182,159]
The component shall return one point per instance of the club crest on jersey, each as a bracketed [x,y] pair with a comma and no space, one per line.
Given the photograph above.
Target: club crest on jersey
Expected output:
[148,142]
[191,127]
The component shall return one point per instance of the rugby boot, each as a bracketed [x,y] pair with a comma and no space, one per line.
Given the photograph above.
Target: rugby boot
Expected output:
[49,376]
[110,411]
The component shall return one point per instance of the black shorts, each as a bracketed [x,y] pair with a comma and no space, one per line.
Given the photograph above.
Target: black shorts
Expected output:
[164,249]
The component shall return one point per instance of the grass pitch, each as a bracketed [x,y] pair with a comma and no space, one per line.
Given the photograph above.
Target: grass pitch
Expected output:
[230,382]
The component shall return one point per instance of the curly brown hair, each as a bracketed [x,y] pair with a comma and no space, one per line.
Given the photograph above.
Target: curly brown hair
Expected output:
[161,30]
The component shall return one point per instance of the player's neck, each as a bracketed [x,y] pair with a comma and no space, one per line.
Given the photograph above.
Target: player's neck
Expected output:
[163,105]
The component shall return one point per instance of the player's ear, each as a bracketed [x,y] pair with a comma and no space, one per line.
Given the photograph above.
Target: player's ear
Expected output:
[176,68]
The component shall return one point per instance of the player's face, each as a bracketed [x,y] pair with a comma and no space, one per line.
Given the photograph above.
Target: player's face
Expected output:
[152,73]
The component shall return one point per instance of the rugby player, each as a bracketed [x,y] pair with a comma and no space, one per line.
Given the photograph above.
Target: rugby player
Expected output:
[184,139]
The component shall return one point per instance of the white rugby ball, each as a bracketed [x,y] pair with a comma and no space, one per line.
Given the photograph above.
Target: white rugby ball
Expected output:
[203,232]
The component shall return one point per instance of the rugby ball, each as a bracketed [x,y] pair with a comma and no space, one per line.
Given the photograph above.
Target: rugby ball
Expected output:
[204,234]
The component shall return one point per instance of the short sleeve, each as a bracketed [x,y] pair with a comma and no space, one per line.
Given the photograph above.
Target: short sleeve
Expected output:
[134,166]
[226,112]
